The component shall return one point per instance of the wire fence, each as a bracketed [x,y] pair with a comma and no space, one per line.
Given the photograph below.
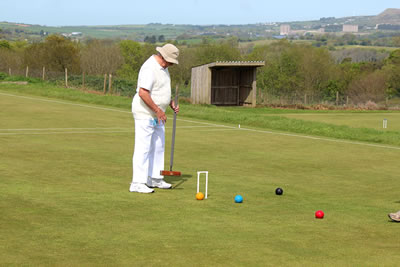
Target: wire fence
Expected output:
[319,101]
[111,84]
[106,84]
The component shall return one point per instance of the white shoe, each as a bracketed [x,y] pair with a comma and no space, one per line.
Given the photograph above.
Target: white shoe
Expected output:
[140,188]
[159,183]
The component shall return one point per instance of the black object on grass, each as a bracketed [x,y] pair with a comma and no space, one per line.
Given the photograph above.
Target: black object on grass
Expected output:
[279,191]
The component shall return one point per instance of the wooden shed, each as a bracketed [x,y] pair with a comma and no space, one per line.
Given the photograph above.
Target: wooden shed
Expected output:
[229,83]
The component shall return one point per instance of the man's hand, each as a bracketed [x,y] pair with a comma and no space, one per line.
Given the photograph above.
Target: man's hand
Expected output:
[161,117]
[145,96]
[174,107]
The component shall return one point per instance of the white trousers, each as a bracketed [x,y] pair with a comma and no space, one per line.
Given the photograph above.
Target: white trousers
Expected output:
[148,155]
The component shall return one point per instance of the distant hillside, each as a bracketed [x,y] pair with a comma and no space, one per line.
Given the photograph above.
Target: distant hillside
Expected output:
[388,20]
[389,16]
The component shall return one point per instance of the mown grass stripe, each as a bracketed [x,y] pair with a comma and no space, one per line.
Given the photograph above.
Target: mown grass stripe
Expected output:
[216,115]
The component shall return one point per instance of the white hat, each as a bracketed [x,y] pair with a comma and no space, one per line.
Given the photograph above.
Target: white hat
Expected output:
[169,52]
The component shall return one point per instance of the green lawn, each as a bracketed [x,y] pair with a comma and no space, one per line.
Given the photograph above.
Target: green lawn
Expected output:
[354,120]
[266,118]
[65,171]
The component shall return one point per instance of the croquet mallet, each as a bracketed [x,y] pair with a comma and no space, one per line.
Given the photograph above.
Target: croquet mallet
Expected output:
[171,172]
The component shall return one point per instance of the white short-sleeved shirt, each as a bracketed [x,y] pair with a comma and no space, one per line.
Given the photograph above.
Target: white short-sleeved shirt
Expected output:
[157,81]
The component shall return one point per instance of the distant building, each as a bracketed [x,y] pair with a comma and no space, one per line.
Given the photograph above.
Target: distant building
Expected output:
[72,34]
[285,29]
[350,28]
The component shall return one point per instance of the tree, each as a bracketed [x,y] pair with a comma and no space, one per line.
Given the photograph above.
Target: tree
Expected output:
[58,53]
[359,55]
[396,41]
[11,56]
[315,69]
[150,39]
[100,57]
[181,73]
[392,69]
[35,57]
[210,52]
[350,39]
[134,55]
[368,87]
[394,58]
[293,70]
[4,44]
[161,39]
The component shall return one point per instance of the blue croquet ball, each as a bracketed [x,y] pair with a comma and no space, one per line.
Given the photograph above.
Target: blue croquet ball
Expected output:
[238,199]
[279,191]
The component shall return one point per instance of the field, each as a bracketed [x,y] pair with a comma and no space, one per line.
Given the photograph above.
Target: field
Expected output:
[66,167]
[102,31]
[356,120]
[380,48]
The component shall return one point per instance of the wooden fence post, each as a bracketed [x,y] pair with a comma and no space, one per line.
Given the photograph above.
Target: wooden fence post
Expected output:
[83,79]
[9,71]
[337,98]
[44,73]
[27,72]
[305,99]
[110,84]
[105,82]
[347,100]
[66,77]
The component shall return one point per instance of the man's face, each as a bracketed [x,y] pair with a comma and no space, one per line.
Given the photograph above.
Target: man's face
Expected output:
[166,64]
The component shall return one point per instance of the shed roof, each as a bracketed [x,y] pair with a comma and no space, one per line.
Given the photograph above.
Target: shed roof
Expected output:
[234,64]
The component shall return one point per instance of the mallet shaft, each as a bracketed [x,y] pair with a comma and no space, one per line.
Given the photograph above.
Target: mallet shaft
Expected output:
[173,131]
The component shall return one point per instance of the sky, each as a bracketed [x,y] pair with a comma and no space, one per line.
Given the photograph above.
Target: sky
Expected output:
[195,12]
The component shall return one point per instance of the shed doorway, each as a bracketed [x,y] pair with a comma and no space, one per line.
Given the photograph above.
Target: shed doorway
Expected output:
[231,86]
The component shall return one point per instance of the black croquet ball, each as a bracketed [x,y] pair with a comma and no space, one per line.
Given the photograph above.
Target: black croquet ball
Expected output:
[279,191]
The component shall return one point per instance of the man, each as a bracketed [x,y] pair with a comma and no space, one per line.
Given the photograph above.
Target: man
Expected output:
[153,95]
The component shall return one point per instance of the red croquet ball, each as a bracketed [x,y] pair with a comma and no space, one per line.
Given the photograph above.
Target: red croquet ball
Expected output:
[319,214]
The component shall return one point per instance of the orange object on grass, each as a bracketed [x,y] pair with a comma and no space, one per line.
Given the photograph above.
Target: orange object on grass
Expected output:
[199,196]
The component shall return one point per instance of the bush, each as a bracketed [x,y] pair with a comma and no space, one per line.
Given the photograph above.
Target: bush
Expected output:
[371,105]
[3,76]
